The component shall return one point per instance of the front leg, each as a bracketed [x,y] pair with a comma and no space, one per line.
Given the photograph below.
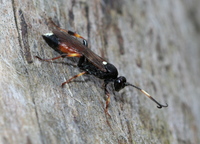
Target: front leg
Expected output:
[107,99]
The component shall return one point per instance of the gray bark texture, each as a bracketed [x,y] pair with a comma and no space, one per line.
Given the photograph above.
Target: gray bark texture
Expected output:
[155,44]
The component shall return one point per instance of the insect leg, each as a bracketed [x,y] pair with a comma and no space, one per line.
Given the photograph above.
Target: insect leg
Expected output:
[61,56]
[70,32]
[107,100]
[74,55]
[69,80]
[85,43]
[75,34]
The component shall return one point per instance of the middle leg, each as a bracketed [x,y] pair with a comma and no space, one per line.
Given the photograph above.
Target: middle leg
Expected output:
[69,80]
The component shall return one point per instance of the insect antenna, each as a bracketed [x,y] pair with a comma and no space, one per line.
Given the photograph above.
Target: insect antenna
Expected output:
[148,95]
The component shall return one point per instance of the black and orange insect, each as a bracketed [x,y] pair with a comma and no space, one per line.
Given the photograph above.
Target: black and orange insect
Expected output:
[65,43]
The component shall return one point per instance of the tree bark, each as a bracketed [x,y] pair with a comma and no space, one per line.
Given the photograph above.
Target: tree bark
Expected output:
[154,44]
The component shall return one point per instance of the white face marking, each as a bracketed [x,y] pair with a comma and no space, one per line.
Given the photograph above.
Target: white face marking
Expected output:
[48,34]
[105,63]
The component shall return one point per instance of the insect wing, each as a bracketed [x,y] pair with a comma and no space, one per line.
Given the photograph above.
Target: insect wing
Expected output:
[78,47]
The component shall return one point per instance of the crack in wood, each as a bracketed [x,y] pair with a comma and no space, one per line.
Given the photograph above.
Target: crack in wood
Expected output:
[24,32]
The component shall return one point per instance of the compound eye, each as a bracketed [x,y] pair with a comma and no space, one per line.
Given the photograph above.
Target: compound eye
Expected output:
[119,83]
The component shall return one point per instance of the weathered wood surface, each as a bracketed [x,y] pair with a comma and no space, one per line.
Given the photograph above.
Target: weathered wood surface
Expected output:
[155,44]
